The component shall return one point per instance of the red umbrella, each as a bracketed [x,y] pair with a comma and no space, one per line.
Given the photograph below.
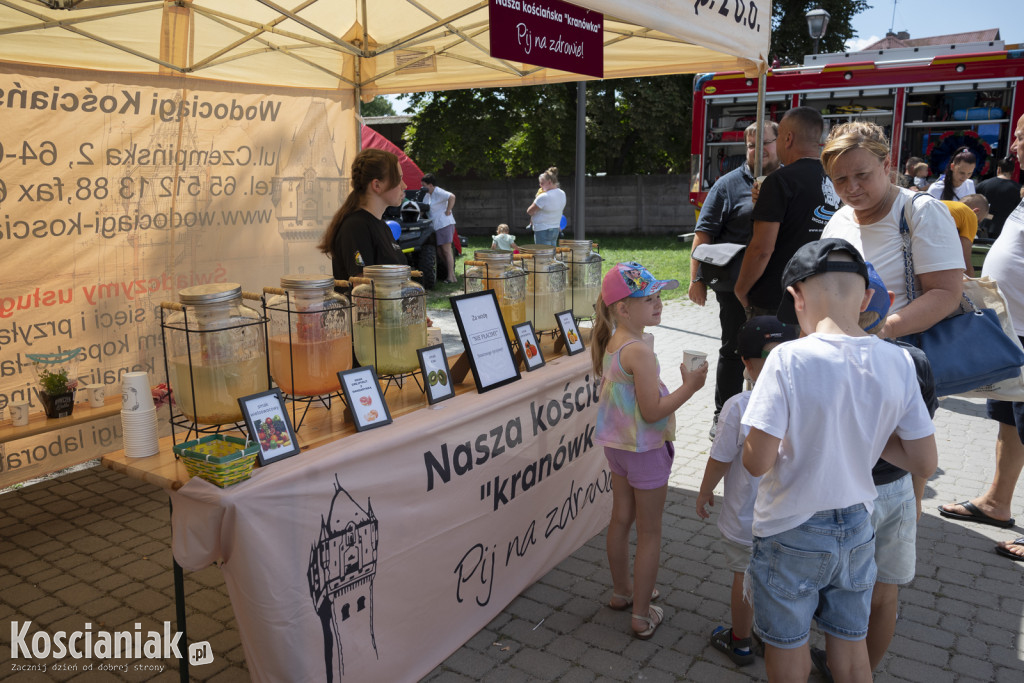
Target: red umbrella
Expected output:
[411,173]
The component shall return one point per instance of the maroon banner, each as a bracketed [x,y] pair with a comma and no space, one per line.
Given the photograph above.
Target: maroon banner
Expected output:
[548,33]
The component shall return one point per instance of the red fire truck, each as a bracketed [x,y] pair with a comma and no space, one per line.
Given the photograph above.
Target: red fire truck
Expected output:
[930,100]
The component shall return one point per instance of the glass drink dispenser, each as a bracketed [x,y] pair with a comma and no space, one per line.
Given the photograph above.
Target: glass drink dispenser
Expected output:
[310,335]
[390,319]
[545,285]
[494,269]
[584,275]
[217,352]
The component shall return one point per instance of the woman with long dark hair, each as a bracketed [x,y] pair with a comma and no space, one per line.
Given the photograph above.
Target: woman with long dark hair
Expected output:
[956,183]
[357,235]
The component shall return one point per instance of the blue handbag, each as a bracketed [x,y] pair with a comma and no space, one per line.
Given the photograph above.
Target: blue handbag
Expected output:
[968,350]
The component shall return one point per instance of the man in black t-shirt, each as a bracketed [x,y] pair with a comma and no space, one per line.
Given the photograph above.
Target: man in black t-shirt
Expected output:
[1002,193]
[792,208]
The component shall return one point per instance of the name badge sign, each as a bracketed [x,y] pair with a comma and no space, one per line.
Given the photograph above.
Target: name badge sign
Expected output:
[548,33]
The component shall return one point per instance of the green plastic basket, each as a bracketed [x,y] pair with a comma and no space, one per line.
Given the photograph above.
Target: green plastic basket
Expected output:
[220,460]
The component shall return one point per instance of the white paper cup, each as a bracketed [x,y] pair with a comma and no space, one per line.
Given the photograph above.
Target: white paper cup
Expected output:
[693,359]
[135,392]
[19,413]
[96,393]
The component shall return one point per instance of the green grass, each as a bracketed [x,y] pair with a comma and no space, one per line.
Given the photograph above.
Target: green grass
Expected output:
[665,256]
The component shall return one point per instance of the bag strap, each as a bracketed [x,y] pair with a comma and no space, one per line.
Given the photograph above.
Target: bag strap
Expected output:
[908,258]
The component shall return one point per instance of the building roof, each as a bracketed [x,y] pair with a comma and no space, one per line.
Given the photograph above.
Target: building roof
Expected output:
[903,39]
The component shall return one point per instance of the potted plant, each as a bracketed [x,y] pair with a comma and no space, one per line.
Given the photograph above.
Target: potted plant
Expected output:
[57,376]
[56,392]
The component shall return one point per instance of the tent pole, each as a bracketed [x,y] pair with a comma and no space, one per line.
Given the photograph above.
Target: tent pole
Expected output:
[759,140]
[579,223]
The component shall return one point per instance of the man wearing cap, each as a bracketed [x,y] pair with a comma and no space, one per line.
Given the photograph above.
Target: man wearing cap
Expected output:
[819,417]
[792,209]
[725,218]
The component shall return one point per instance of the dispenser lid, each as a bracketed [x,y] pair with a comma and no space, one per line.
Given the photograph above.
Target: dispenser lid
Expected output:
[387,271]
[210,294]
[306,282]
[538,249]
[499,255]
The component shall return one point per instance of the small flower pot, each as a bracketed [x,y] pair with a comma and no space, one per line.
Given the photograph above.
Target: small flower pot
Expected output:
[59,405]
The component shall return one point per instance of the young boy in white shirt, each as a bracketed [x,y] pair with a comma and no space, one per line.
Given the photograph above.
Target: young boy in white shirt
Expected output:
[819,417]
[755,340]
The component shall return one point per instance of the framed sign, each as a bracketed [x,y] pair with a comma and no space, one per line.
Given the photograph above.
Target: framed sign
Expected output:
[436,375]
[571,334]
[528,346]
[362,392]
[484,337]
[268,423]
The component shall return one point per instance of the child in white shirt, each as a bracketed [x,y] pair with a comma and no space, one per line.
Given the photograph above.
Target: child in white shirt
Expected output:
[503,240]
[821,413]
[756,338]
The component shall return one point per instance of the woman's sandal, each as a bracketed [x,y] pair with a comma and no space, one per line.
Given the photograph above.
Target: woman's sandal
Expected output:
[653,621]
[627,600]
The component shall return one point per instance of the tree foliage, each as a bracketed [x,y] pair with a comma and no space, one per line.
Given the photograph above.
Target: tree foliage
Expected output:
[791,39]
[638,125]
[378,106]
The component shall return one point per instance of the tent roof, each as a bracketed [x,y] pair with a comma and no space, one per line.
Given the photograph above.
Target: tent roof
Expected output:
[379,46]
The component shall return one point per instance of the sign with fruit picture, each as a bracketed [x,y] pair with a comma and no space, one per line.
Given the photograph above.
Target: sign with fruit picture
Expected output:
[570,333]
[533,358]
[365,401]
[437,381]
[268,424]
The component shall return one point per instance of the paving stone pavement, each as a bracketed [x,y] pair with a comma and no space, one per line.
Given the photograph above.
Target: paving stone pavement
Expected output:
[93,546]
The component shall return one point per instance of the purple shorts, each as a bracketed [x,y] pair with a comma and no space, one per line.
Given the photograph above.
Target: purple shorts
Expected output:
[445,235]
[647,470]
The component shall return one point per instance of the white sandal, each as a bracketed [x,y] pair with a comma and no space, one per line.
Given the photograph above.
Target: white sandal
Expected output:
[627,600]
[653,621]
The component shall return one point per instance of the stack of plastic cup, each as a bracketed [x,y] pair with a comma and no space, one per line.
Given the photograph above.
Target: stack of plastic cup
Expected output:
[138,416]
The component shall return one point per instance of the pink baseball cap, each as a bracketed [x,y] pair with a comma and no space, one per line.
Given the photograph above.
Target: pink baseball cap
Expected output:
[631,279]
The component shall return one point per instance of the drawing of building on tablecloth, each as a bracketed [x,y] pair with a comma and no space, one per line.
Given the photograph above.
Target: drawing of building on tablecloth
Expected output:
[342,566]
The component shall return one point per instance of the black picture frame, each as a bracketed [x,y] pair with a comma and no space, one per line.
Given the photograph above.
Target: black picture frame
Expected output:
[527,339]
[362,391]
[487,344]
[434,363]
[256,410]
[570,333]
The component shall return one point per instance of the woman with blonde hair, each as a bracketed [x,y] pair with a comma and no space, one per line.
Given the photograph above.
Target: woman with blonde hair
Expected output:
[856,158]
[357,235]
[546,209]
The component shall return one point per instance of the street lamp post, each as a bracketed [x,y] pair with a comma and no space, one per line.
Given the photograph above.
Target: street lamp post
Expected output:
[817,23]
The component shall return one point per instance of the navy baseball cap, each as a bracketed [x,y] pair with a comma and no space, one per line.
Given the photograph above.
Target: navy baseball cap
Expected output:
[760,331]
[812,259]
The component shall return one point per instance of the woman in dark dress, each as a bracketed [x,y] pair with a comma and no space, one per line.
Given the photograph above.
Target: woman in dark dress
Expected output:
[357,235]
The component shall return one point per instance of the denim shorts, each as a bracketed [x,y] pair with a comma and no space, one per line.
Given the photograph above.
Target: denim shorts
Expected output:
[895,522]
[646,470]
[549,237]
[823,569]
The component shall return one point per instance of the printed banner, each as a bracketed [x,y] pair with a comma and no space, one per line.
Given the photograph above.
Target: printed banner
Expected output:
[375,557]
[548,33]
[115,195]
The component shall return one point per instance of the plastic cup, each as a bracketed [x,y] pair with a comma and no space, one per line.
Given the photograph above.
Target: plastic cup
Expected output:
[96,393]
[19,413]
[693,359]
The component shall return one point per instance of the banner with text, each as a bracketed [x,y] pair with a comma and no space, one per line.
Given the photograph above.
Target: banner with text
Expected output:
[115,195]
[548,33]
[373,558]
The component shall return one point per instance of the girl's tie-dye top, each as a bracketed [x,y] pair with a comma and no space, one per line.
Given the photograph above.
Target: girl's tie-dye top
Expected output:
[619,423]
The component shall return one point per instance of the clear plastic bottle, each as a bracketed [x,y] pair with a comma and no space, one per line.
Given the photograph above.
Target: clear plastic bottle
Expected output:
[584,275]
[545,285]
[390,319]
[494,269]
[217,353]
[310,335]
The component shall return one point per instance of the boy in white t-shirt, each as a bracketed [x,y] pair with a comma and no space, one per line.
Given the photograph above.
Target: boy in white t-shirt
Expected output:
[756,338]
[821,413]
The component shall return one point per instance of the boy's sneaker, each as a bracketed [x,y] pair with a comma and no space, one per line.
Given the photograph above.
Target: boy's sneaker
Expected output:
[737,650]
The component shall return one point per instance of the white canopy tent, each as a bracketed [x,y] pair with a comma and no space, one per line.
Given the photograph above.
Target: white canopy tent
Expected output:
[369,46]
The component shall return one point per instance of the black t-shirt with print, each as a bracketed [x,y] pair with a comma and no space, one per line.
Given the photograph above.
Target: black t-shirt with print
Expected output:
[363,240]
[801,199]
